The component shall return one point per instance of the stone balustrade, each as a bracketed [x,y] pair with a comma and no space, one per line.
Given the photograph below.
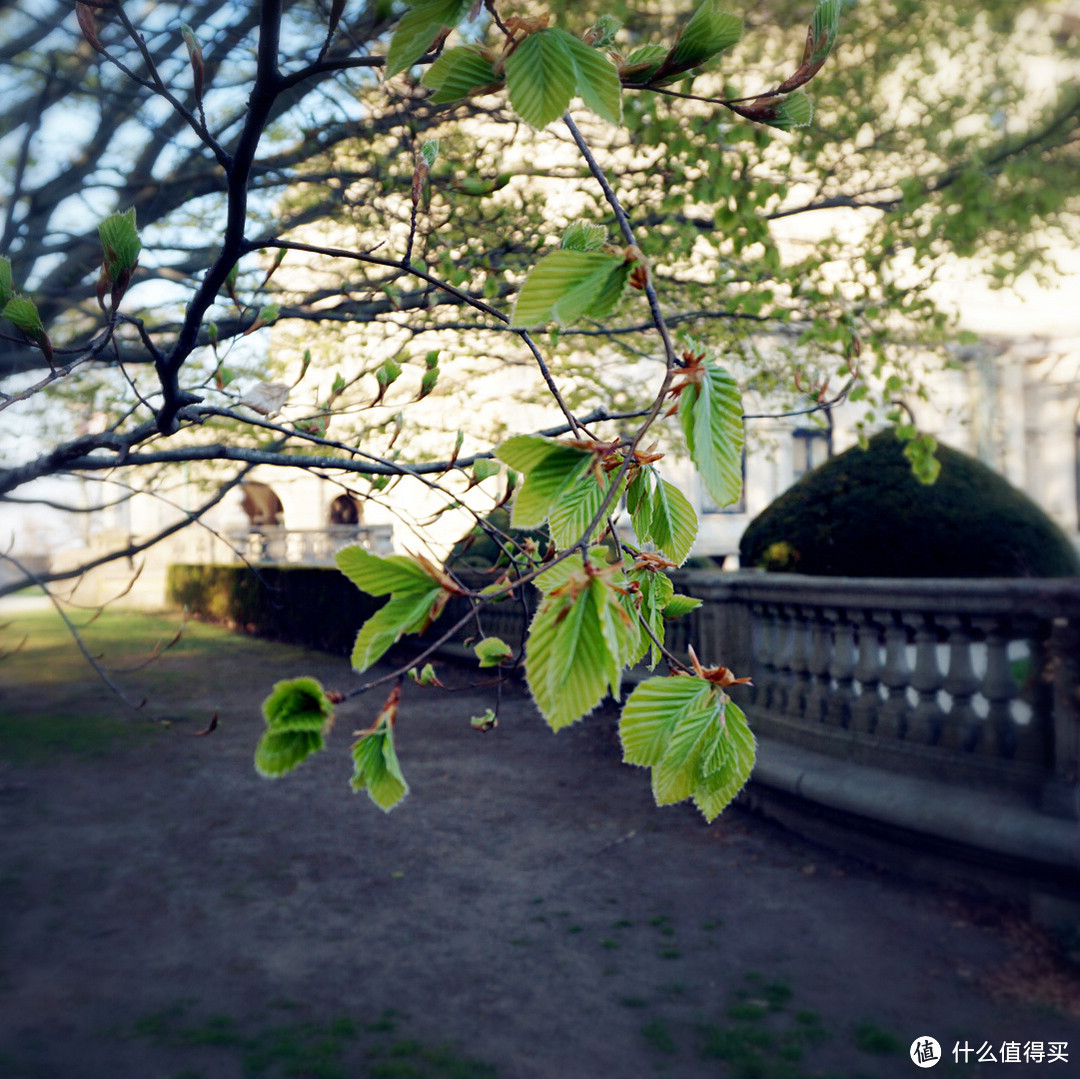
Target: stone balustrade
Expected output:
[307,546]
[970,682]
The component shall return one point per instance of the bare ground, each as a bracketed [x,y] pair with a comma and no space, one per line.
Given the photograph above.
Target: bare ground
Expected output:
[527,913]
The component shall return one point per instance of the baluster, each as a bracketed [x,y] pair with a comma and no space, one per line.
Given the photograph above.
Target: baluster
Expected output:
[999,688]
[864,712]
[782,684]
[896,677]
[817,668]
[799,683]
[925,719]
[842,670]
[962,728]
[765,655]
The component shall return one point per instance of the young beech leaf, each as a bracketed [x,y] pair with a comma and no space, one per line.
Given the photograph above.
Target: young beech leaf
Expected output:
[22,312]
[409,612]
[375,763]
[577,504]
[298,714]
[550,468]
[695,740]
[381,574]
[642,64]
[578,643]
[584,236]
[279,752]
[678,605]
[662,515]
[654,590]
[706,34]
[298,704]
[557,575]
[596,80]
[491,651]
[710,412]
[488,721]
[824,26]
[120,243]
[418,29]
[459,72]
[565,285]
[7,282]
[416,598]
[541,77]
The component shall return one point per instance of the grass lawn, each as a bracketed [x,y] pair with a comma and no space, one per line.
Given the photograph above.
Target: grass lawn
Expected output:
[53,700]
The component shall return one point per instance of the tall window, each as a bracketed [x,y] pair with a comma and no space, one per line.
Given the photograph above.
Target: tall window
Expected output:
[811,447]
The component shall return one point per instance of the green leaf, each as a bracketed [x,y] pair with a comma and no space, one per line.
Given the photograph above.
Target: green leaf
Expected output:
[640,66]
[541,77]
[417,30]
[408,612]
[486,722]
[558,574]
[573,655]
[665,518]
[596,80]
[429,152]
[653,709]
[707,33]
[710,413]
[120,243]
[583,236]
[794,110]
[824,26]
[459,72]
[692,736]
[550,467]
[7,282]
[380,574]
[376,768]
[491,651]
[654,589]
[484,469]
[577,503]
[679,605]
[564,285]
[280,751]
[298,704]
[22,312]
[717,790]
[388,373]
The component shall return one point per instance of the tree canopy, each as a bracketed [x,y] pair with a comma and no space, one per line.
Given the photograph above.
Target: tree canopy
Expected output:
[363,207]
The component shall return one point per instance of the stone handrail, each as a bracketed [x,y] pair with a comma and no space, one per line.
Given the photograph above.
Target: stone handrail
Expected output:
[970,682]
[307,546]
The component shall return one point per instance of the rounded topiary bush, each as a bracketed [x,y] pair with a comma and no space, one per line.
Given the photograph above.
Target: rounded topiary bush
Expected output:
[478,550]
[863,514]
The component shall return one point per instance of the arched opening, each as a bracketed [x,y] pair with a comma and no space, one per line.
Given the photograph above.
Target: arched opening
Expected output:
[262,506]
[345,510]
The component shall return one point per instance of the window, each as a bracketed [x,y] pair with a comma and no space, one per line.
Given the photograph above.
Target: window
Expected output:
[811,447]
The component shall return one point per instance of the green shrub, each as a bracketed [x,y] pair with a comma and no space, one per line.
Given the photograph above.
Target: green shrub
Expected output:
[313,606]
[863,514]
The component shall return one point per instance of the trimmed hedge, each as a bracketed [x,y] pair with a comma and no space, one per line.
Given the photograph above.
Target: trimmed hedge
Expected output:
[863,514]
[314,606]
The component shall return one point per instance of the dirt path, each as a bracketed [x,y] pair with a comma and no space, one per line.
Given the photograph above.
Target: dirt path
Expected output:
[527,913]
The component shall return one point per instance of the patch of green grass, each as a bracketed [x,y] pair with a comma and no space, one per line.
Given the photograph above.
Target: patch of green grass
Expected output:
[669,953]
[747,1011]
[608,943]
[659,1037]
[871,1038]
[306,1049]
[30,738]
[633,1002]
